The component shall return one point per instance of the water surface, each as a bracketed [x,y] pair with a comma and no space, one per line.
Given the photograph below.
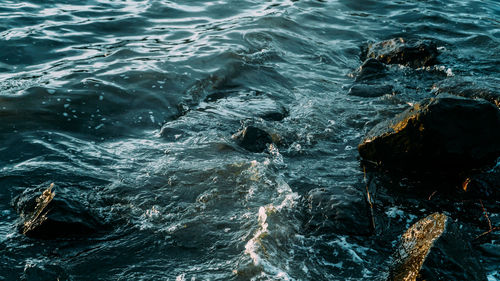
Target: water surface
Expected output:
[86,87]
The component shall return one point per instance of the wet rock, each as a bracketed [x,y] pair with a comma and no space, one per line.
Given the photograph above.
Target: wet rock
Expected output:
[445,135]
[488,90]
[413,53]
[48,217]
[344,212]
[369,91]
[276,115]
[171,134]
[253,139]
[484,185]
[435,249]
[218,95]
[370,69]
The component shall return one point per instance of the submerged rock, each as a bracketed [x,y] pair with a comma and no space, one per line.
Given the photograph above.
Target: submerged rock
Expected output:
[434,249]
[47,217]
[439,135]
[253,139]
[370,91]
[413,53]
[343,212]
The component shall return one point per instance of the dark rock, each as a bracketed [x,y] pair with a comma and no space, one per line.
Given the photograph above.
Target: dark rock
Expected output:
[439,135]
[171,134]
[489,91]
[413,53]
[217,96]
[253,139]
[435,249]
[370,69]
[46,217]
[369,91]
[275,115]
[485,185]
[344,212]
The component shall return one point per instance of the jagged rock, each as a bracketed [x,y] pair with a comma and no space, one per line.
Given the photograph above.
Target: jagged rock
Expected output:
[446,134]
[413,53]
[343,212]
[253,139]
[369,91]
[370,69]
[48,217]
[434,249]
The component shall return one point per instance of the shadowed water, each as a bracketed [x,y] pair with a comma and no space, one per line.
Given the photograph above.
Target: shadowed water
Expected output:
[86,87]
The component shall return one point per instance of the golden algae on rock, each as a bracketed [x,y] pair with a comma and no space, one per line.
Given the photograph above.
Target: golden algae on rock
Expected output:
[415,245]
[38,216]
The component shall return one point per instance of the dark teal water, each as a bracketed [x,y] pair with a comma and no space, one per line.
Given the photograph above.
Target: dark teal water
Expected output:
[86,86]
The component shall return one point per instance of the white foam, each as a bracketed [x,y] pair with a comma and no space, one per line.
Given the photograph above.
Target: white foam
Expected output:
[393,212]
[254,245]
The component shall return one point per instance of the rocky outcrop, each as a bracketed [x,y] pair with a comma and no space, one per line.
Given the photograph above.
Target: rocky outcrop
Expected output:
[412,53]
[253,139]
[434,249]
[439,135]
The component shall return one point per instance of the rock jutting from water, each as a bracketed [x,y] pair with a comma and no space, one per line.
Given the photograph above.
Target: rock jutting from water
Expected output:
[370,69]
[47,217]
[370,91]
[488,90]
[446,134]
[412,53]
[253,139]
[434,249]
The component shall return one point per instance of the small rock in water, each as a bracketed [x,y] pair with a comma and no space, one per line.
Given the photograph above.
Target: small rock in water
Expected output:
[413,53]
[275,115]
[370,69]
[445,135]
[171,134]
[434,249]
[253,139]
[50,218]
[340,212]
[39,214]
[369,91]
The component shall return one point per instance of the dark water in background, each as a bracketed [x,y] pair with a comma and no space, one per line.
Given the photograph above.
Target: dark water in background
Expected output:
[85,87]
